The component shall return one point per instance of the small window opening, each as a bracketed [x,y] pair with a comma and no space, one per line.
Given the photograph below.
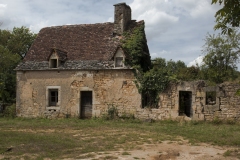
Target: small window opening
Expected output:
[53,63]
[210,98]
[119,62]
[53,97]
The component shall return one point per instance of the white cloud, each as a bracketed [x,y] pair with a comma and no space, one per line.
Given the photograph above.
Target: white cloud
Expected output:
[156,14]
[3,5]
[2,9]
[110,19]
[197,61]
[35,28]
[162,53]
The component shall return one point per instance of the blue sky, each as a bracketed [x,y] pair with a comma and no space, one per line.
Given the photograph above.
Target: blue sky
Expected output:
[175,29]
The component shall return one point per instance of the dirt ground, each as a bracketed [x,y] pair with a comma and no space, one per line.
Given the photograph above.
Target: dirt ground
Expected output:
[168,150]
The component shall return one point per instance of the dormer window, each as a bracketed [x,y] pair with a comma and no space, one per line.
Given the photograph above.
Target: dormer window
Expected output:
[57,58]
[53,60]
[119,59]
[53,63]
[119,62]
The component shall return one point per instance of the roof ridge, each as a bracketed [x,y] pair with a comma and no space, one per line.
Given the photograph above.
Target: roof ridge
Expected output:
[77,25]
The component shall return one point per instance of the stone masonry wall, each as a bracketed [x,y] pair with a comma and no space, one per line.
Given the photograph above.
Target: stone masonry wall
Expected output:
[109,88]
[226,107]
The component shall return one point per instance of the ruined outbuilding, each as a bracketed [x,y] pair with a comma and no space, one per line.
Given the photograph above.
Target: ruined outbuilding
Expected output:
[78,70]
[196,100]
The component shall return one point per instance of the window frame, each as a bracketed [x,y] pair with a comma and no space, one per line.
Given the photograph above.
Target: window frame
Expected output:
[49,90]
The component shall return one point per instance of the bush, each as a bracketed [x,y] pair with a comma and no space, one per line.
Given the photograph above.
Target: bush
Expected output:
[10,111]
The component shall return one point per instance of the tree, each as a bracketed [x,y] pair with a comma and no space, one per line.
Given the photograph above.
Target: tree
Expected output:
[20,41]
[13,47]
[8,62]
[221,57]
[228,16]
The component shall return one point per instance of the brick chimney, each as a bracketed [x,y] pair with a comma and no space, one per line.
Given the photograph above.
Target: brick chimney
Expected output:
[122,16]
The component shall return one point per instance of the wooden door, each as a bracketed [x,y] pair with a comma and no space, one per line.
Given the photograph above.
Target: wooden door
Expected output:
[86,104]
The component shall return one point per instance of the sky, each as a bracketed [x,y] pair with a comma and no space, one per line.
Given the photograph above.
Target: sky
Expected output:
[175,29]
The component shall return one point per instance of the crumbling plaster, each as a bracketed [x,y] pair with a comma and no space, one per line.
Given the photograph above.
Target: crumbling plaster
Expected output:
[109,87]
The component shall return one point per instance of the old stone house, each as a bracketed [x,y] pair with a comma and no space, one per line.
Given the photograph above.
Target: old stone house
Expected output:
[78,70]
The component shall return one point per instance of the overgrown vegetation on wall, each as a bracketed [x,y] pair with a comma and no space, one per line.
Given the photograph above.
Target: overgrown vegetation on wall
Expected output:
[152,77]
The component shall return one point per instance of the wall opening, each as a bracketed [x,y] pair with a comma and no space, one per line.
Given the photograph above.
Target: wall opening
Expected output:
[146,100]
[210,98]
[53,63]
[185,103]
[86,104]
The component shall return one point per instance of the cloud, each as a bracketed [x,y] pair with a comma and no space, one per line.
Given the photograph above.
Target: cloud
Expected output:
[155,14]
[159,54]
[197,61]
[38,26]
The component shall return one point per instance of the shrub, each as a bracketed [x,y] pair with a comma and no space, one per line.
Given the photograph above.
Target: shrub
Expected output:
[10,111]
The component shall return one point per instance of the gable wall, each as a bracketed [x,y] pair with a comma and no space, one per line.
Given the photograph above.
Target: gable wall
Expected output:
[109,87]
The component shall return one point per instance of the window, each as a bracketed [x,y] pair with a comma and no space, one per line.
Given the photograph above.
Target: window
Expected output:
[119,62]
[119,59]
[53,97]
[53,63]
[210,98]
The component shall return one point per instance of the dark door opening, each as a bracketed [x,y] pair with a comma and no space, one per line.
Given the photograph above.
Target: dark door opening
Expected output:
[185,103]
[86,104]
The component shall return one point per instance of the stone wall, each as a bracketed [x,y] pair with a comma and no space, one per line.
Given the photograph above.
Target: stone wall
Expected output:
[225,106]
[109,88]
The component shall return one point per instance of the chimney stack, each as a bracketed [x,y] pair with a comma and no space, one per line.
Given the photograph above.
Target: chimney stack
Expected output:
[122,17]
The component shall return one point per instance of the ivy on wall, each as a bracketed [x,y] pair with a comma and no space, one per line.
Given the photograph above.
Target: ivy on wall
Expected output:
[149,81]
[135,46]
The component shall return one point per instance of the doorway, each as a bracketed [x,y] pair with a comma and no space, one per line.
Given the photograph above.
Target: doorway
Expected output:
[86,104]
[185,103]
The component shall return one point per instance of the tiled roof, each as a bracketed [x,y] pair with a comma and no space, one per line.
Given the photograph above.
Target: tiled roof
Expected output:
[81,42]
[83,46]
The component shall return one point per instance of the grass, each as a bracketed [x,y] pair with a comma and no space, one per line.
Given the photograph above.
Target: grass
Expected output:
[74,138]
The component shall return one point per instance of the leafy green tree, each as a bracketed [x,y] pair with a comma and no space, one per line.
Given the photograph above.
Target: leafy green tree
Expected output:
[174,68]
[189,73]
[13,47]
[221,57]
[20,41]
[228,16]
[8,62]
